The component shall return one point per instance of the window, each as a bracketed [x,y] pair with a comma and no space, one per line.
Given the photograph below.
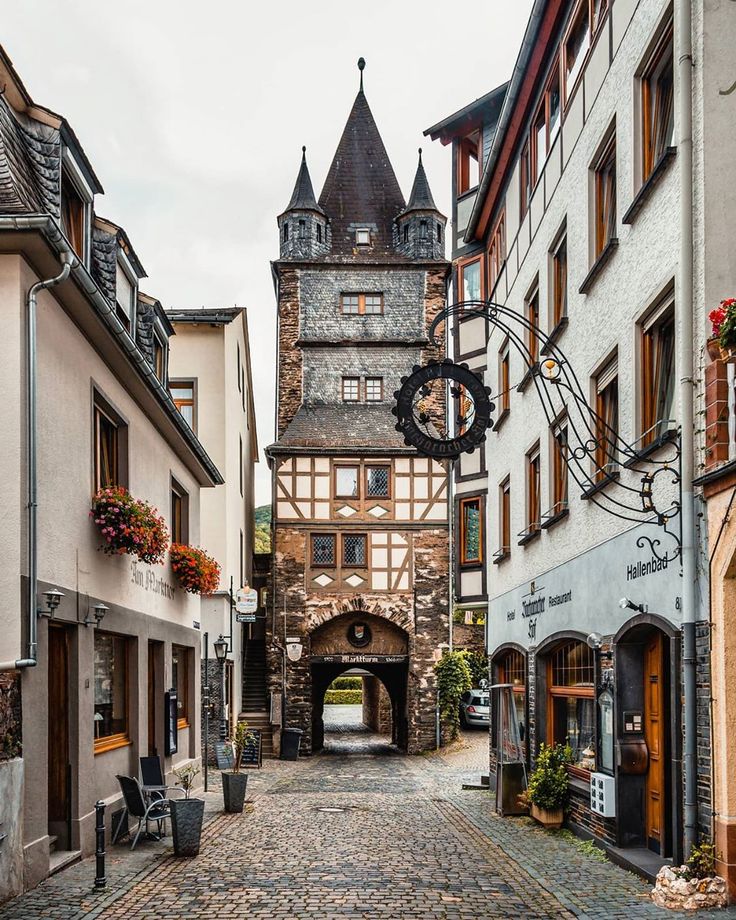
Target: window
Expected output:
[571,678]
[286,231]
[658,373]
[497,252]
[531,309]
[605,197]
[468,163]
[159,358]
[606,422]
[575,46]
[505,516]
[560,492]
[539,143]
[657,104]
[423,234]
[558,258]
[125,297]
[319,233]
[350,389]
[182,392]
[355,304]
[363,237]
[377,481]
[504,378]
[73,215]
[553,106]
[354,550]
[466,409]
[439,233]
[180,682]
[323,549]
[525,181]
[406,233]
[179,513]
[346,481]
[533,483]
[110,443]
[111,691]
[302,229]
[470,275]
[471,531]
[512,670]
[374,389]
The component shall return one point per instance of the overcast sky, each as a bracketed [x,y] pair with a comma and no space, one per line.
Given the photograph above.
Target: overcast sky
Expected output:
[193,116]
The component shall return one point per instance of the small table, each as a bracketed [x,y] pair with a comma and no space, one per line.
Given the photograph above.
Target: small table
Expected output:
[150,793]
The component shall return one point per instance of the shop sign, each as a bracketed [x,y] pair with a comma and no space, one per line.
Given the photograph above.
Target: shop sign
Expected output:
[246,600]
[359,659]
[245,617]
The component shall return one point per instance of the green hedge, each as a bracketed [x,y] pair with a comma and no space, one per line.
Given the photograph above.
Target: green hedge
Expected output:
[343,697]
[347,683]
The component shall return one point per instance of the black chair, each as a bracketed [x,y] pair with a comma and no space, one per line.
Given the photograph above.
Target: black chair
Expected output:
[157,810]
[153,781]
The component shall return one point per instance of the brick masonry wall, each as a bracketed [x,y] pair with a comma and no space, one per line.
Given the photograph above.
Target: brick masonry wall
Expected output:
[290,357]
[210,670]
[717,441]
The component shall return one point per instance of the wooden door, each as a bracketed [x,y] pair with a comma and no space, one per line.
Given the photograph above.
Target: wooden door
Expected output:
[58,736]
[654,730]
[152,697]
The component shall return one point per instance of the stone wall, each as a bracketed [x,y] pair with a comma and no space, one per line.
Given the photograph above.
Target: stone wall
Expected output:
[376,706]
[211,669]
[10,715]
[289,356]
[704,755]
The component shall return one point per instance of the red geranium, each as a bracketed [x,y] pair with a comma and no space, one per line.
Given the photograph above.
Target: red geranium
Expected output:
[719,316]
[196,571]
[129,525]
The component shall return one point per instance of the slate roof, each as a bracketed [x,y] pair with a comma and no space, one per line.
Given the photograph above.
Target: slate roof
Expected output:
[421,195]
[361,189]
[30,160]
[302,198]
[343,425]
[103,260]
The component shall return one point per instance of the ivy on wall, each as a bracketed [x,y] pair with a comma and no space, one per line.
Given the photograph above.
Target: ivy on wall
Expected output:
[454,677]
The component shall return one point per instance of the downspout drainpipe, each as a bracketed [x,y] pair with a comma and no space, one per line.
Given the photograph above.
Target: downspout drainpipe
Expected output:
[683,44]
[31,461]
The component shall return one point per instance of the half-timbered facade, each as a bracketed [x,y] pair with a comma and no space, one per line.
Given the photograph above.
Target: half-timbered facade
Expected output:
[360,520]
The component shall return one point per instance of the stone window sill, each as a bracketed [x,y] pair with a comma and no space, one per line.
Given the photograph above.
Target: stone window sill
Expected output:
[613,476]
[552,517]
[112,743]
[500,555]
[600,263]
[666,438]
[645,192]
[526,379]
[527,536]
[502,418]
[555,334]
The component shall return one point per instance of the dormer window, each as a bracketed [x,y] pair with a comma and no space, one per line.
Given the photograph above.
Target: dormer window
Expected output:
[125,293]
[159,357]
[363,236]
[76,198]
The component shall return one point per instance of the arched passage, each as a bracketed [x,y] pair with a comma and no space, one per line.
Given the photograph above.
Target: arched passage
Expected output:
[370,643]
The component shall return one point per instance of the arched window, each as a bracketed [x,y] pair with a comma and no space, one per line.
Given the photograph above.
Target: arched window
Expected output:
[571,702]
[512,670]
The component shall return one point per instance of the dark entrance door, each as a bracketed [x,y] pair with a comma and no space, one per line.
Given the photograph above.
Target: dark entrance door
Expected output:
[153,695]
[654,724]
[59,792]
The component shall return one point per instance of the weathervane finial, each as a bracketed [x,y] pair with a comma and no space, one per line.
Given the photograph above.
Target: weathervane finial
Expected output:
[361,68]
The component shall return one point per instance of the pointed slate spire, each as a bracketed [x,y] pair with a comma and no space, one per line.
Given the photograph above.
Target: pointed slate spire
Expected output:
[421,195]
[303,198]
[361,189]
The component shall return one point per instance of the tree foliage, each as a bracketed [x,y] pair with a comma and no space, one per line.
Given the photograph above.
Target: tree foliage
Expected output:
[453,679]
[478,664]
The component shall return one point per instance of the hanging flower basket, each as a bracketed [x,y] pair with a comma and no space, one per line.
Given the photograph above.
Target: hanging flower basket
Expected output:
[723,320]
[129,525]
[196,571]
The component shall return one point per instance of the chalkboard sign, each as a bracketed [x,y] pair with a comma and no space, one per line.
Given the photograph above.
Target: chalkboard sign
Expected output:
[171,722]
[252,751]
[223,755]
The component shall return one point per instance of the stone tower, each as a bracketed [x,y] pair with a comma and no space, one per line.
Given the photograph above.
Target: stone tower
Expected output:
[360,520]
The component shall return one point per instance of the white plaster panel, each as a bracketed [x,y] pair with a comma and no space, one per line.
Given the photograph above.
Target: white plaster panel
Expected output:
[303,464]
[471,583]
[303,487]
[379,558]
[421,487]
[285,510]
[573,124]
[522,242]
[596,70]
[512,204]
[321,511]
[402,511]
[402,465]
[322,464]
[553,170]
[379,581]
[403,487]
[469,465]
[622,12]
[322,487]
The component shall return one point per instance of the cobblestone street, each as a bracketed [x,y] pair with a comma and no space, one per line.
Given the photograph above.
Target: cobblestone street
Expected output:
[357,832]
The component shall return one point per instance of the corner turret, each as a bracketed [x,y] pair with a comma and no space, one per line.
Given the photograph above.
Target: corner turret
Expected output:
[420,227]
[303,226]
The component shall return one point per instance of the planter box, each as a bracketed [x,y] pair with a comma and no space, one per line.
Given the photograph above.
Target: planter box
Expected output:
[549,818]
[186,825]
[233,791]
[728,355]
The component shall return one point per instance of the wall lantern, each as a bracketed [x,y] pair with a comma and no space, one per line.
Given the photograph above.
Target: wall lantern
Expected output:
[221,648]
[53,599]
[625,603]
[99,612]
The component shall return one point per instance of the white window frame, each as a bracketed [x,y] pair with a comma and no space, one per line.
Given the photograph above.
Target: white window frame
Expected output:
[123,262]
[75,175]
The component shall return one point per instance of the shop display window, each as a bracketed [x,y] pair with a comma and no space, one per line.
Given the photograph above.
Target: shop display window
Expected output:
[571,719]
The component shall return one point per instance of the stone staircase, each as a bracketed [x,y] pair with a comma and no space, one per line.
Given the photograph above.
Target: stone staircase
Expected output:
[255,694]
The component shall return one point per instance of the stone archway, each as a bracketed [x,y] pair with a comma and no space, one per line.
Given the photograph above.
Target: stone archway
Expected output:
[374,644]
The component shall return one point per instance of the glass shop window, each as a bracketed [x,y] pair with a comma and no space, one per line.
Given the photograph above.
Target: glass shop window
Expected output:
[571,676]
[110,691]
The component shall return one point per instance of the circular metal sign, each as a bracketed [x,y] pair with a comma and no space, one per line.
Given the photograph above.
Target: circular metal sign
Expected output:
[420,415]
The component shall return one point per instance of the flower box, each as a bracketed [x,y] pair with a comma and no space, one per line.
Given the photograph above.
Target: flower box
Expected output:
[195,570]
[548,817]
[129,525]
[723,321]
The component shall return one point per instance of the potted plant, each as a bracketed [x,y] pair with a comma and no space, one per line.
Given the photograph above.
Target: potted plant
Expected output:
[692,886]
[234,783]
[549,785]
[723,320]
[187,814]
[196,571]
[129,525]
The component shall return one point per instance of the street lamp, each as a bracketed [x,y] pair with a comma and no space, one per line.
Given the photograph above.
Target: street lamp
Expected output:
[221,650]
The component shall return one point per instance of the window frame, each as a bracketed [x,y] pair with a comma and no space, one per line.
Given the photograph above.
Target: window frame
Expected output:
[662,48]
[469,149]
[182,383]
[323,565]
[559,294]
[362,311]
[372,381]
[179,499]
[560,473]
[101,408]
[74,180]
[376,466]
[462,266]
[504,377]
[504,517]
[349,380]
[465,559]
[605,222]
[496,252]
[361,243]
[353,565]
[182,698]
[533,475]
[559,691]
[110,742]
[606,376]
[533,315]
[662,314]
[346,466]
[525,179]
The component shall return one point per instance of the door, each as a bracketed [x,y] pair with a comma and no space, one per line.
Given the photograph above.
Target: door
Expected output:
[59,804]
[654,730]
[152,697]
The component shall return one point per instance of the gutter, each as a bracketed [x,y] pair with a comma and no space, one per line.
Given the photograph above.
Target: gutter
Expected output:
[507,110]
[48,226]
[684,56]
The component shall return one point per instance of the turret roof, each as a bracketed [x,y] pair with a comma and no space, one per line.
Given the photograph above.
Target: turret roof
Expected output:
[303,198]
[421,195]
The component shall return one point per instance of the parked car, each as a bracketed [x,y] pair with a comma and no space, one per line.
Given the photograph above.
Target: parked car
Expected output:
[475,708]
